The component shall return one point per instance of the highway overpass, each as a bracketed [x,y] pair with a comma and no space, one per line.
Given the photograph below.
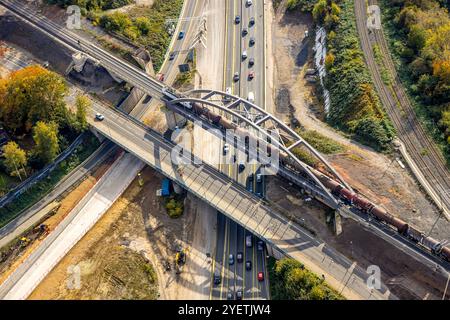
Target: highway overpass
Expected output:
[204,181]
[233,200]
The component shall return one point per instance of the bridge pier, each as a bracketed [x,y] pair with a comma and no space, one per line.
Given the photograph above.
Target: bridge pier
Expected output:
[174,120]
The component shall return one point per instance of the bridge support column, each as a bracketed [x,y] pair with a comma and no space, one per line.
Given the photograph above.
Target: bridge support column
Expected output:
[337,223]
[97,134]
[174,120]
[274,252]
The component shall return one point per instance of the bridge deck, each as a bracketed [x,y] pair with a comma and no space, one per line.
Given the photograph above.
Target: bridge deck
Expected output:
[234,201]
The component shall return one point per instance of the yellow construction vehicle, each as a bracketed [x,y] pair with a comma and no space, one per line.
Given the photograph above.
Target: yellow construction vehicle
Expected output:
[180,260]
[24,241]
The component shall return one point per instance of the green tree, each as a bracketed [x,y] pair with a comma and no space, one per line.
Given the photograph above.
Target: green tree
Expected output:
[320,10]
[143,24]
[15,159]
[45,136]
[83,105]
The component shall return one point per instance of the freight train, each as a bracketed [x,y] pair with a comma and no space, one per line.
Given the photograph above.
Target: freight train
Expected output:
[364,205]
[345,195]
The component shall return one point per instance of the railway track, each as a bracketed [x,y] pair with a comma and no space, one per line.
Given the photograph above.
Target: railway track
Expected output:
[409,130]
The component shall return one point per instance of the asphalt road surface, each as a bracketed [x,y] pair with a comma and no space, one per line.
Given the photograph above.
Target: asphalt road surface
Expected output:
[231,236]
[236,277]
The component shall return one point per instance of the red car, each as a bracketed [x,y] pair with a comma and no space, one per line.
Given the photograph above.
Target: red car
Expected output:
[260,276]
[251,75]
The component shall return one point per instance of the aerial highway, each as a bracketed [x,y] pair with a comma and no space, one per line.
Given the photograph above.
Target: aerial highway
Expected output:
[141,147]
[232,199]
[126,71]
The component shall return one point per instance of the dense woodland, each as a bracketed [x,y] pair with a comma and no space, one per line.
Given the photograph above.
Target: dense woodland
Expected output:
[421,38]
[34,114]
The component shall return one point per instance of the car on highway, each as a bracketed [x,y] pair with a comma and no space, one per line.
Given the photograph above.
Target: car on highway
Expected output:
[217,278]
[260,245]
[251,23]
[236,77]
[251,75]
[237,20]
[244,55]
[99,117]
[259,178]
[251,62]
[251,97]
[248,3]
[241,167]
[181,35]
[260,276]
[248,241]
[248,265]
[239,295]
[172,56]
[231,259]
[252,41]
[244,32]
[240,257]
[226,148]
[230,295]
[250,178]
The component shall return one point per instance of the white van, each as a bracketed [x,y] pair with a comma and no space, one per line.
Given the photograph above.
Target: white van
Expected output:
[248,241]
[227,91]
[251,97]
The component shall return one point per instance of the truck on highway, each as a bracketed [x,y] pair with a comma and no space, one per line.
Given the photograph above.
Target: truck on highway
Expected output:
[249,241]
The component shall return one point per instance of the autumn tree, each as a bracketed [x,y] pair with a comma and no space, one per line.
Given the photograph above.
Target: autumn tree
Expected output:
[83,105]
[30,95]
[45,136]
[15,159]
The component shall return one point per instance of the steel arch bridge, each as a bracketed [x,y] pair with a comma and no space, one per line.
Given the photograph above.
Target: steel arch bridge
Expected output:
[244,114]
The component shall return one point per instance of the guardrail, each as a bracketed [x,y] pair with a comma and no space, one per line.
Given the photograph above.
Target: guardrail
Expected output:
[24,186]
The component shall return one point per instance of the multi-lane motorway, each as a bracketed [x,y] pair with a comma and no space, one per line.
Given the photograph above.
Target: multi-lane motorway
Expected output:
[244,36]
[205,182]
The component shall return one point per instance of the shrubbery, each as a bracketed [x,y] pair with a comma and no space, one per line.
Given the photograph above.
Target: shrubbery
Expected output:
[321,143]
[174,207]
[289,280]
[355,106]
[92,5]
[303,5]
